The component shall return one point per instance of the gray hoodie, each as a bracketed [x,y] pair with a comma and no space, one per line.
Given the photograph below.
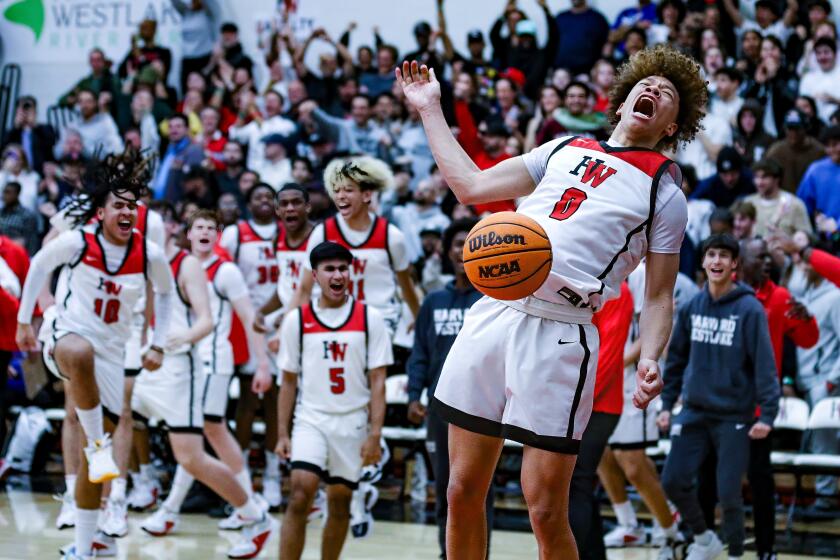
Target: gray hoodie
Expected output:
[821,363]
[720,358]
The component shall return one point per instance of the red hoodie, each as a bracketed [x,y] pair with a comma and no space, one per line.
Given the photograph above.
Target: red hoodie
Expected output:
[613,323]
[776,302]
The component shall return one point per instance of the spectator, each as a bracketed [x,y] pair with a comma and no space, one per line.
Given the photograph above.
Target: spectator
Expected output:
[302,172]
[634,40]
[16,169]
[16,221]
[177,159]
[211,138]
[422,214]
[796,151]
[726,103]
[252,125]
[699,210]
[144,51]
[808,60]
[819,373]
[276,168]
[820,187]
[750,52]
[775,208]
[383,79]
[230,49]
[798,248]
[808,107]
[411,142]
[425,52]
[37,140]
[227,178]
[732,180]
[503,41]
[666,27]
[199,21]
[721,221]
[100,79]
[749,138]
[228,207]
[821,83]
[574,116]
[702,153]
[475,63]
[526,55]
[141,116]
[323,85]
[743,224]
[543,126]
[638,18]
[97,129]
[197,187]
[602,78]
[772,85]
[359,134]
[769,19]
[507,105]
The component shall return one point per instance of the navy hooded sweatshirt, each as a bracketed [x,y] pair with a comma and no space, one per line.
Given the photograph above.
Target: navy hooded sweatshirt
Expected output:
[720,358]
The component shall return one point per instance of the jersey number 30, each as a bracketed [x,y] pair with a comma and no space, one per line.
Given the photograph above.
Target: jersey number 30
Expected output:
[568,204]
[108,310]
[337,380]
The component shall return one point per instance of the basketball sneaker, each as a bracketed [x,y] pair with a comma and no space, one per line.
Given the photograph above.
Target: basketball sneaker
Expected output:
[144,493]
[67,516]
[708,551]
[103,547]
[672,549]
[115,521]
[254,536]
[319,507]
[234,523]
[101,465]
[623,536]
[160,523]
[271,491]
[69,553]
[361,506]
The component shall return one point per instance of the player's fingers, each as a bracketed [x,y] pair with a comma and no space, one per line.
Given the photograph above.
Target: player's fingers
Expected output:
[415,71]
[424,73]
[432,77]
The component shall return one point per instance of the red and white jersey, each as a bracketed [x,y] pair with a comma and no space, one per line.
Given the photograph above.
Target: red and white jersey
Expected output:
[225,284]
[290,263]
[603,208]
[98,302]
[181,317]
[332,350]
[254,255]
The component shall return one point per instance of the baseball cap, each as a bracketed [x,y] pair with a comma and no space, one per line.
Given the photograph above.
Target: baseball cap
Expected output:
[423,28]
[275,138]
[475,36]
[794,119]
[728,160]
[515,75]
[316,139]
[526,27]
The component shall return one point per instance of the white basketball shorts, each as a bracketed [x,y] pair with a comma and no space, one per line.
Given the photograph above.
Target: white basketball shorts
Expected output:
[518,376]
[215,395]
[172,393]
[330,445]
[636,429]
[133,355]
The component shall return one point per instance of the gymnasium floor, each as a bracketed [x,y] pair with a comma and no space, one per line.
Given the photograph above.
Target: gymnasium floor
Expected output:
[27,530]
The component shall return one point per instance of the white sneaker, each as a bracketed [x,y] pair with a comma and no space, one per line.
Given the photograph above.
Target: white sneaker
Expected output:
[67,516]
[144,494]
[319,507]
[261,502]
[710,551]
[623,536]
[361,517]
[232,522]
[115,521]
[69,553]
[103,547]
[254,537]
[160,523]
[101,465]
[659,536]
[271,491]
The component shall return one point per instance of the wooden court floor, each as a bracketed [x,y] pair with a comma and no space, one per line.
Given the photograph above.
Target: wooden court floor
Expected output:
[27,530]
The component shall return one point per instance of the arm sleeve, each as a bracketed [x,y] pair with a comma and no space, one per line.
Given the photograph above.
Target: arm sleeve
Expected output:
[230,282]
[418,362]
[160,275]
[289,356]
[63,250]
[536,160]
[678,353]
[380,353]
[398,248]
[826,265]
[668,228]
[764,364]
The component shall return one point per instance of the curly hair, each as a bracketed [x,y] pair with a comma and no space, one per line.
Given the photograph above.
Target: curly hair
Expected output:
[126,173]
[369,173]
[680,70]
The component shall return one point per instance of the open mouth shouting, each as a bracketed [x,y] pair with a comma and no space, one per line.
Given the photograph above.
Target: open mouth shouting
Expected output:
[344,208]
[337,287]
[125,225]
[644,107]
[716,272]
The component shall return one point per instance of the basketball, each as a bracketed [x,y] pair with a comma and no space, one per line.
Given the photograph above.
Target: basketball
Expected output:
[507,256]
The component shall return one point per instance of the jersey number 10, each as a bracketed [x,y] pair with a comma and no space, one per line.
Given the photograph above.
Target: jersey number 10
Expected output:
[108,310]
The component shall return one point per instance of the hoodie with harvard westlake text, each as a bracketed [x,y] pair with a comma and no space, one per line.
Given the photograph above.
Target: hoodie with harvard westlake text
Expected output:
[720,358]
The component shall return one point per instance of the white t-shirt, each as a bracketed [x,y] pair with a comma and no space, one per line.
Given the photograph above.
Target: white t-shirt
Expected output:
[778,29]
[719,132]
[816,83]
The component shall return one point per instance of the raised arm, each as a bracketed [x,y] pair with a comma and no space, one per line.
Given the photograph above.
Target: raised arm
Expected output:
[733,12]
[506,180]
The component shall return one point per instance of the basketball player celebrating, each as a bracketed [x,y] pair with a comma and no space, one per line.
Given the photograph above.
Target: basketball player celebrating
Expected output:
[228,294]
[525,369]
[173,394]
[335,349]
[251,243]
[109,262]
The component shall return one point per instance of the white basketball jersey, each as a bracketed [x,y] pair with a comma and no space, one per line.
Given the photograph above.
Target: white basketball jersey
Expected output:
[372,279]
[181,316]
[290,263]
[98,303]
[215,348]
[596,204]
[254,256]
[333,375]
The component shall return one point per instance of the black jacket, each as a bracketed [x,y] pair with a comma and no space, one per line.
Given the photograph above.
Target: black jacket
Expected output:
[43,140]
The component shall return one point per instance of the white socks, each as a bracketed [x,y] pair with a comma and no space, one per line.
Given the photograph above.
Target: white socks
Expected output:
[243,477]
[86,521]
[250,510]
[272,465]
[91,421]
[625,514]
[70,483]
[180,487]
[117,489]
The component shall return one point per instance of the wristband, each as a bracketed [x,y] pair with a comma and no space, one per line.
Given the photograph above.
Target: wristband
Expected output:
[156,348]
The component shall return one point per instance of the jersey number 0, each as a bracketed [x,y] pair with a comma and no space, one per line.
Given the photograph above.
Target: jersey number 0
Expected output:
[568,204]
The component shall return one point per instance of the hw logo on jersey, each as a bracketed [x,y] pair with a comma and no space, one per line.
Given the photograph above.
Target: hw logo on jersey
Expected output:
[359,266]
[594,171]
[334,350]
[110,288]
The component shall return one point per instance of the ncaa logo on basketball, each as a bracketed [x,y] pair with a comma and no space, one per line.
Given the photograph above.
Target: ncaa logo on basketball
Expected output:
[493,239]
[497,270]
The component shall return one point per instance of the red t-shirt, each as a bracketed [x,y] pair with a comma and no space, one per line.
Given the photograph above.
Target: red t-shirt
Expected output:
[613,323]
[18,260]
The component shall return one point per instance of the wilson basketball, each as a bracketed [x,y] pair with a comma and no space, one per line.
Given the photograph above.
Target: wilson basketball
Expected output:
[507,256]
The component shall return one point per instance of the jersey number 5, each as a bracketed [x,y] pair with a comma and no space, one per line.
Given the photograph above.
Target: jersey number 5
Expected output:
[568,204]
[337,380]
[110,311]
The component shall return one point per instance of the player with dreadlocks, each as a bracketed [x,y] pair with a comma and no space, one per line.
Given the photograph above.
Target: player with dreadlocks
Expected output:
[108,263]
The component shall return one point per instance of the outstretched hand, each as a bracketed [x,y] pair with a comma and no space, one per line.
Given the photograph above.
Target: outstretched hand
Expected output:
[419,84]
